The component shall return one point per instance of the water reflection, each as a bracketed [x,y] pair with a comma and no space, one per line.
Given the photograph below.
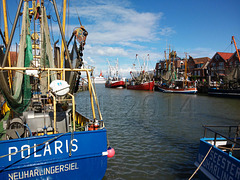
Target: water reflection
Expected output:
[156,135]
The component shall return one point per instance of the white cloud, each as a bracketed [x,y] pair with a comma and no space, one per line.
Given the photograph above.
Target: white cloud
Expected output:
[90,59]
[198,52]
[116,30]
[104,51]
[114,23]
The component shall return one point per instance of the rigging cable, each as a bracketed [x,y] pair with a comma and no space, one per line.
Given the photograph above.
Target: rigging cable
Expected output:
[8,14]
[236,39]
[61,12]
[230,45]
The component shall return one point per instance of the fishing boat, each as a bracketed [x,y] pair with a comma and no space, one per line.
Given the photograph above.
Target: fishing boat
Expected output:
[115,83]
[140,80]
[114,80]
[178,87]
[233,93]
[42,134]
[219,153]
[100,79]
[148,86]
[175,82]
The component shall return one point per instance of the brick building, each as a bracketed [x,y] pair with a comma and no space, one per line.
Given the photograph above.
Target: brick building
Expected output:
[218,65]
[197,67]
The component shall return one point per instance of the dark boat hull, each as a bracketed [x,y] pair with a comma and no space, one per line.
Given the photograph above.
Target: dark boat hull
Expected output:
[52,158]
[224,92]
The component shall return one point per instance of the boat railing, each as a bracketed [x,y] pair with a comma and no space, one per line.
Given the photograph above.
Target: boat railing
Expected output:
[93,96]
[228,137]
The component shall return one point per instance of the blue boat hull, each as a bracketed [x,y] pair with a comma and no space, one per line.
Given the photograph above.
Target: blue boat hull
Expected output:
[218,164]
[54,157]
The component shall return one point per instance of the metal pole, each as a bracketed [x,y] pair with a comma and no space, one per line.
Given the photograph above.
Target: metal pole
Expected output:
[63,26]
[12,33]
[62,34]
[6,39]
[91,95]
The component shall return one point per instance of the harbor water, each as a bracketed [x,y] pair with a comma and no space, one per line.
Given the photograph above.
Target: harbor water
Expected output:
[156,135]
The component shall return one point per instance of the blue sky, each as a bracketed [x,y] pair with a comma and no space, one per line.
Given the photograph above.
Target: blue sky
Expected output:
[122,29]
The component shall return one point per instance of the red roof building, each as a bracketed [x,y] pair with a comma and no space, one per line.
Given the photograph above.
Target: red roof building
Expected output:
[233,60]
[218,65]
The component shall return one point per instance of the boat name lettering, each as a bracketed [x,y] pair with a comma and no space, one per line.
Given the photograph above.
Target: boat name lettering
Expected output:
[58,147]
[219,166]
[43,171]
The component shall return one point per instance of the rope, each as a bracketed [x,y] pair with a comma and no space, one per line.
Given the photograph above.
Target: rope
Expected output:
[56,137]
[201,163]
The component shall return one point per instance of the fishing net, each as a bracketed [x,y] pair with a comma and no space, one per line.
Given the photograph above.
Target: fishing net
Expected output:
[20,99]
[46,53]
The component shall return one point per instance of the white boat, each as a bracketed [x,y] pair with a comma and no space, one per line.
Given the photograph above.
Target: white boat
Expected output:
[100,79]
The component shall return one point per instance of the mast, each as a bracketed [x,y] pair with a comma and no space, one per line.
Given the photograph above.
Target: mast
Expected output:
[7,40]
[174,56]
[169,58]
[61,30]
[109,67]
[117,69]
[144,64]
[185,79]
[236,48]
[138,61]
[12,32]
[63,26]
[165,53]
[148,59]
[174,68]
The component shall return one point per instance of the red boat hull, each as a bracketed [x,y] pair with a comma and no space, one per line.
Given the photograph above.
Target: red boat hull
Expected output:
[115,84]
[148,86]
